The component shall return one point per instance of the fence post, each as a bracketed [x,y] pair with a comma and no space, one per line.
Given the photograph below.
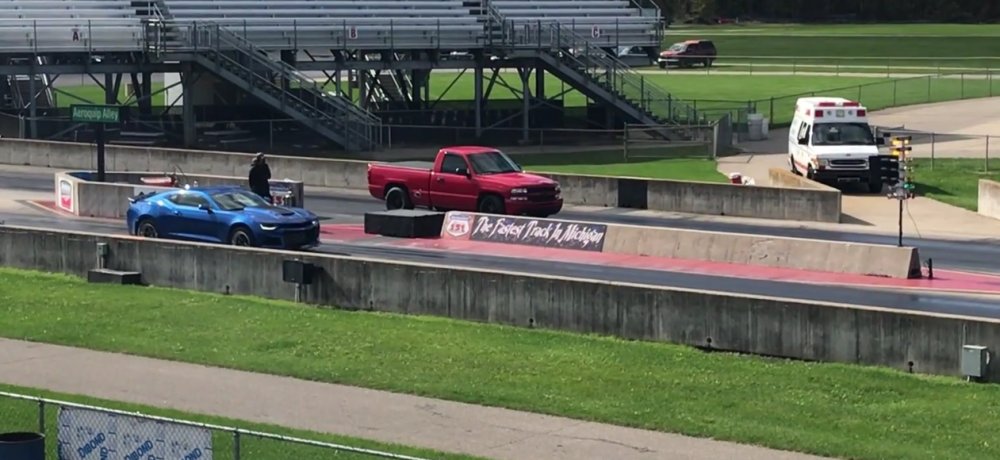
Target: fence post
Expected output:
[987,153]
[933,146]
[625,143]
[770,111]
[894,93]
[41,416]
[236,445]
[928,88]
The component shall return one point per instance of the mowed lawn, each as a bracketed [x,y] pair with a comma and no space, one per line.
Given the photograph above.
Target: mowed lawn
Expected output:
[674,163]
[924,45]
[22,415]
[953,181]
[828,409]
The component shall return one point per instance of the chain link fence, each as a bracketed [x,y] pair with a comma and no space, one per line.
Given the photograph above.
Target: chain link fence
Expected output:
[80,431]
[978,151]
[874,96]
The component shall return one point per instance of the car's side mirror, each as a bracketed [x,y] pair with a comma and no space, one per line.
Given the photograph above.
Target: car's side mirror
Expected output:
[205,207]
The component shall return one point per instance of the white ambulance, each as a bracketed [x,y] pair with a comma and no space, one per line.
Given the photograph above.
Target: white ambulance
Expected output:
[831,142]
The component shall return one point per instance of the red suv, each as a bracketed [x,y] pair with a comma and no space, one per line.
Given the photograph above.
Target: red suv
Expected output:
[688,53]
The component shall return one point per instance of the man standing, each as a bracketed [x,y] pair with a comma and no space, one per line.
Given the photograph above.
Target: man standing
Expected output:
[260,174]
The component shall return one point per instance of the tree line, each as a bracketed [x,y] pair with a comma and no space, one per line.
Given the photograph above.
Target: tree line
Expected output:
[842,10]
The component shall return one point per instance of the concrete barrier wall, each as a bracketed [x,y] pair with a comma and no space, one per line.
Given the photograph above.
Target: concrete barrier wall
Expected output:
[770,326]
[989,198]
[737,248]
[110,199]
[638,193]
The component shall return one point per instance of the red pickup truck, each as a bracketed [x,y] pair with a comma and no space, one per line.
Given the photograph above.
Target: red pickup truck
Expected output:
[475,179]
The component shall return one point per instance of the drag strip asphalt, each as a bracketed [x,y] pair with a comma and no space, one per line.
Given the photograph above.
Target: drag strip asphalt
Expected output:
[905,300]
[979,256]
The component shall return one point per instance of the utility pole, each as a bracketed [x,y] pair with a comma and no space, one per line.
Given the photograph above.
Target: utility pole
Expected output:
[903,189]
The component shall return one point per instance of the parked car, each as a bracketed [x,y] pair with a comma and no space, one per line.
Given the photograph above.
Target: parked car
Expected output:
[688,53]
[221,214]
[471,178]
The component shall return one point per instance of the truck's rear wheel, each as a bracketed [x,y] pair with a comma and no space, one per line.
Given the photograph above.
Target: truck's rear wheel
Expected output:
[491,204]
[397,198]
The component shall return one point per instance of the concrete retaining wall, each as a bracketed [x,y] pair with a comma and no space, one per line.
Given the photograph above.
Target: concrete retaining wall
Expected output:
[989,198]
[824,332]
[110,199]
[658,195]
[737,248]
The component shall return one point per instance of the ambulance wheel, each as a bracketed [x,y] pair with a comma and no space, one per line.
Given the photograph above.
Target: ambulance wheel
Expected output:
[810,174]
[791,162]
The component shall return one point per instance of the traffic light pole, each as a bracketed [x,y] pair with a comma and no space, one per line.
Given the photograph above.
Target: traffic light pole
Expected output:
[900,223]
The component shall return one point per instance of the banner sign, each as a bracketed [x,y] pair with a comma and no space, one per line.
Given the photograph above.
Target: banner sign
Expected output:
[65,200]
[86,434]
[538,232]
[457,225]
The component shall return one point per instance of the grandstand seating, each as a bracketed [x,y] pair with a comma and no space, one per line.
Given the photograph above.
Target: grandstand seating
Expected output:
[69,25]
[339,24]
[618,22]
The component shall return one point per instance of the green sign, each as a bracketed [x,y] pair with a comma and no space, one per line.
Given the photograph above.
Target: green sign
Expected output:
[96,113]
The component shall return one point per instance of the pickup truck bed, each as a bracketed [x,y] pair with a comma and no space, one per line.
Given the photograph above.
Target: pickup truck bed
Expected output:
[428,165]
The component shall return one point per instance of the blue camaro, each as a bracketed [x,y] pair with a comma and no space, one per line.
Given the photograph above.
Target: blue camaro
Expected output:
[228,215]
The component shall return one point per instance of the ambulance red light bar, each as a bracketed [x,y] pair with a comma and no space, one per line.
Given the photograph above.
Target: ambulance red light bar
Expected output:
[838,104]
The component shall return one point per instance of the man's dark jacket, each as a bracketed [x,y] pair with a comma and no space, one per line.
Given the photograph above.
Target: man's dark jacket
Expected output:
[260,174]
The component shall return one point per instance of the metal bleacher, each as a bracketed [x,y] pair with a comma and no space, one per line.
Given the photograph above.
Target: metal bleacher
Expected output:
[603,23]
[338,24]
[69,25]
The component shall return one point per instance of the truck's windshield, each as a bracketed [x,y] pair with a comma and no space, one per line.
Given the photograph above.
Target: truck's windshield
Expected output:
[842,134]
[495,162]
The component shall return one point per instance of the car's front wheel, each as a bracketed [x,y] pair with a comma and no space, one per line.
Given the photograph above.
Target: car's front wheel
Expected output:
[147,229]
[241,237]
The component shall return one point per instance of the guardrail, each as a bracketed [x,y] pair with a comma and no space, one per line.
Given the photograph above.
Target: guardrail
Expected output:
[839,65]
[35,414]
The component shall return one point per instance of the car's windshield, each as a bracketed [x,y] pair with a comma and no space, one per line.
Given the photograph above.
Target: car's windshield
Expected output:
[677,47]
[495,162]
[842,134]
[236,200]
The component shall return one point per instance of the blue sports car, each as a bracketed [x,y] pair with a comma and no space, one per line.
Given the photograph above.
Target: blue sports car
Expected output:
[228,215]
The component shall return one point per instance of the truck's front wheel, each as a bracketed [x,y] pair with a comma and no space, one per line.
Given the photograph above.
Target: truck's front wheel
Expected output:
[491,204]
[397,198]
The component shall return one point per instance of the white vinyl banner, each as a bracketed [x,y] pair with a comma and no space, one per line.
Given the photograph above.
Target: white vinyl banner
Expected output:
[86,434]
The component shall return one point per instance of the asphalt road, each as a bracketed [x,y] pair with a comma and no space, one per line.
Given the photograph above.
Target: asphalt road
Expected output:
[978,256]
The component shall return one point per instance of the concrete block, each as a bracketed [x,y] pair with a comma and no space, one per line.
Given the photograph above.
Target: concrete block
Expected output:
[587,190]
[744,201]
[989,198]
[737,248]
[106,276]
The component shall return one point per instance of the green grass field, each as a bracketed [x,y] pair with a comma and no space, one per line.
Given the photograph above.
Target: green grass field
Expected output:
[713,94]
[828,409]
[22,415]
[953,181]
[674,163]
[925,45]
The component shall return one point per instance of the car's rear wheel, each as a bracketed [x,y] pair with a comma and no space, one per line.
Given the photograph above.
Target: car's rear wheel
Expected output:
[241,237]
[147,229]
[397,198]
[491,204]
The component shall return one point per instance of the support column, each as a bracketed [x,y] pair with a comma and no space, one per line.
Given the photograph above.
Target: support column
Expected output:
[187,106]
[146,106]
[33,106]
[288,57]
[540,82]
[526,97]
[478,95]
[362,76]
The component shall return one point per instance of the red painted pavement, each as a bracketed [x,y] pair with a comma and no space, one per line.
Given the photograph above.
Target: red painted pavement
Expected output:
[944,280]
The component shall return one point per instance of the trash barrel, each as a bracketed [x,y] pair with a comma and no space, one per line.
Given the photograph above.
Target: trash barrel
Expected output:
[22,446]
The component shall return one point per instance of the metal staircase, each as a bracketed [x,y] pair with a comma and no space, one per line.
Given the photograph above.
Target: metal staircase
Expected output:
[284,88]
[602,76]
[21,89]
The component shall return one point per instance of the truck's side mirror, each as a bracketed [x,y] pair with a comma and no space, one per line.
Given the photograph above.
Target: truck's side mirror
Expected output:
[462,171]
[879,140]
